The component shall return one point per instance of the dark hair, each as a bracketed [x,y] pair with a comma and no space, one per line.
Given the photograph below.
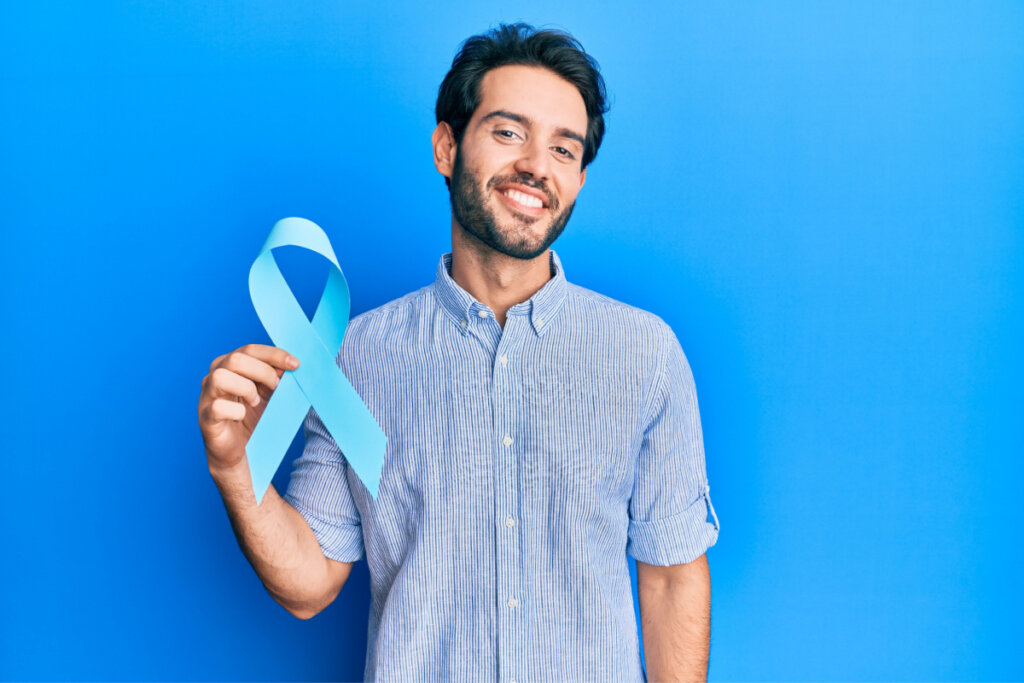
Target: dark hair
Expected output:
[520,43]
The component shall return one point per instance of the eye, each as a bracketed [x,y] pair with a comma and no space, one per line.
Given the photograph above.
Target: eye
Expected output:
[502,134]
[564,152]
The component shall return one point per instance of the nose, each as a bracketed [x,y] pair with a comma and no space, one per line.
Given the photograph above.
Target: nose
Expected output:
[534,160]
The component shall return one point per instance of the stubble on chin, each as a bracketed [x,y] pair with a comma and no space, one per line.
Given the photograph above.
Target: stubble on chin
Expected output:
[470,210]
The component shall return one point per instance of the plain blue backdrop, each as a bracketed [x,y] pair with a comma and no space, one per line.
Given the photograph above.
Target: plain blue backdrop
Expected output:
[824,200]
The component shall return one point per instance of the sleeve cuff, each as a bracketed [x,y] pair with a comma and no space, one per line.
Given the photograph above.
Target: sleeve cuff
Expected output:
[678,539]
[341,543]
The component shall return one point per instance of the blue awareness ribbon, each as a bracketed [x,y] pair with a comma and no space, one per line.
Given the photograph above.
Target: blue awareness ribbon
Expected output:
[318,382]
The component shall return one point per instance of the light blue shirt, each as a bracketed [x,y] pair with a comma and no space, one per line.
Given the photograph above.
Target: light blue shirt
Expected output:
[522,465]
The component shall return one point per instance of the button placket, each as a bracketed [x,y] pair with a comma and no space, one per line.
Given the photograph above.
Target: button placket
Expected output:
[506,389]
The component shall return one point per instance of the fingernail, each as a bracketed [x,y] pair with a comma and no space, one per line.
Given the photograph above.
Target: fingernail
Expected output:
[293,361]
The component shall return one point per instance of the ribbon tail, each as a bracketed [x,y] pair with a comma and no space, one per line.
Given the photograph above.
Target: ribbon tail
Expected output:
[361,441]
[345,415]
[274,433]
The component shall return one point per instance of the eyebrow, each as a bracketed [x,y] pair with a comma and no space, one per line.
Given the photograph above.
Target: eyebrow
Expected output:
[525,120]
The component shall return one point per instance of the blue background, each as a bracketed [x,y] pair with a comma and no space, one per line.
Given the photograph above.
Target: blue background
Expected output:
[823,200]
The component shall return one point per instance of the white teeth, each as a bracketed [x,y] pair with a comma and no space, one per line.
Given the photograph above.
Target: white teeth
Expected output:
[524,199]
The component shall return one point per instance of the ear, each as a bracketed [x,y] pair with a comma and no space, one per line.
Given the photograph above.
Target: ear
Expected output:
[583,178]
[444,149]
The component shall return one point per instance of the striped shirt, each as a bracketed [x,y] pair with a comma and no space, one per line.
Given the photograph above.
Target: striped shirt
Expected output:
[522,464]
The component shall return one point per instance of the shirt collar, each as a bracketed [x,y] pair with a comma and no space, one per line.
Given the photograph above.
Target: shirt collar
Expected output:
[541,309]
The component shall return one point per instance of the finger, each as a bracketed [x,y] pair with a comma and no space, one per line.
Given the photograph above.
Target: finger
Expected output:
[224,382]
[252,368]
[279,358]
[224,409]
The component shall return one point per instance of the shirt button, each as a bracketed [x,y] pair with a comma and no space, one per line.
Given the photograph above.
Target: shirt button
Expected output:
[463,323]
[507,440]
[539,322]
[504,360]
[482,313]
[511,603]
[509,522]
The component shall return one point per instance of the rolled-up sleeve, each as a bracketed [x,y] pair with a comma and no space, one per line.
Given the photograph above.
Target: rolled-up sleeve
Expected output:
[671,520]
[319,489]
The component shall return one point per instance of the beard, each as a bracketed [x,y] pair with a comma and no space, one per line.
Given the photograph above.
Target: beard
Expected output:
[474,217]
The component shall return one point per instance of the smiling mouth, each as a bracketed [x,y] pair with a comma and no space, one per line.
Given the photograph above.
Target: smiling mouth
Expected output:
[522,202]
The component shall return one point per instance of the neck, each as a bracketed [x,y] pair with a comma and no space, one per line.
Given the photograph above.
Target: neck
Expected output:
[494,279]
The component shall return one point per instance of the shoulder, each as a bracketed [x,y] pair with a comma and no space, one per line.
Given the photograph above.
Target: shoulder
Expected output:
[387,316]
[379,333]
[628,331]
[608,316]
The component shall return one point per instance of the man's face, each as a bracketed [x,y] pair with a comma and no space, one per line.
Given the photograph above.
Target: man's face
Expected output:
[517,171]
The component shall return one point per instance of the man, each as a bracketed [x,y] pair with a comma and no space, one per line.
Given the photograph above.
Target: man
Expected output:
[537,431]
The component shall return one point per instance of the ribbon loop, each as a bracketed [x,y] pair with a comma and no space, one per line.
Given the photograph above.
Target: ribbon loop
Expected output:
[318,382]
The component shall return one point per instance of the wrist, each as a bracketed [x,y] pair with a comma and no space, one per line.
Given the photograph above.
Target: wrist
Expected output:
[235,486]
[233,475]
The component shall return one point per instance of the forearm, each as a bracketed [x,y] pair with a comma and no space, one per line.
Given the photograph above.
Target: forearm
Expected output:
[676,624]
[277,541]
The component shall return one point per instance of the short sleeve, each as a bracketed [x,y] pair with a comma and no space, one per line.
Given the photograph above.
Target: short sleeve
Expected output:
[671,520]
[319,489]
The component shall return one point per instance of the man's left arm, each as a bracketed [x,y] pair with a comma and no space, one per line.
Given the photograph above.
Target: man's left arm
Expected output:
[675,618]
